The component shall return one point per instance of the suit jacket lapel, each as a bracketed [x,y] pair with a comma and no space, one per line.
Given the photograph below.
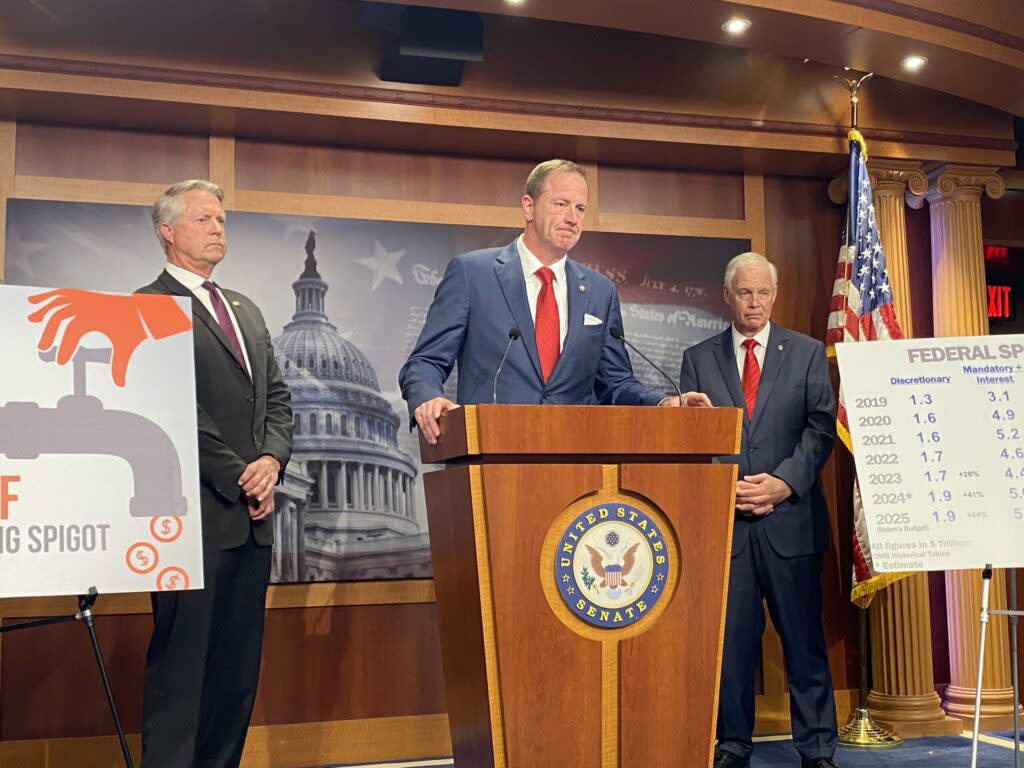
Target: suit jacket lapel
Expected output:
[509,271]
[773,354]
[578,296]
[251,336]
[726,357]
[198,310]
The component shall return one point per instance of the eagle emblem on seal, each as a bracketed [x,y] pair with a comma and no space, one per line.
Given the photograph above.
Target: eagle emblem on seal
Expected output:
[610,568]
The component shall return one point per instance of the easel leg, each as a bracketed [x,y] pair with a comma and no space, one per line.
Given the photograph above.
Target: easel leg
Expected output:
[986,582]
[85,603]
[1014,615]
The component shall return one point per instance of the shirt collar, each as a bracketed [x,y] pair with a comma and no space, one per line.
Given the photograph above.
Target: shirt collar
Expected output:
[190,280]
[761,337]
[531,263]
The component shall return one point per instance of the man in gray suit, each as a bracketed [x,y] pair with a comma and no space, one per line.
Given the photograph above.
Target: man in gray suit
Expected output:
[203,661]
[781,531]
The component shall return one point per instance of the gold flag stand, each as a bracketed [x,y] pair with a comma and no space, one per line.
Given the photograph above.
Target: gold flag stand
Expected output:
[860,730]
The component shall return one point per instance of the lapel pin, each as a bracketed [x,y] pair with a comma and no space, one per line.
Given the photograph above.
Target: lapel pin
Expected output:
[583,288]
[780,347]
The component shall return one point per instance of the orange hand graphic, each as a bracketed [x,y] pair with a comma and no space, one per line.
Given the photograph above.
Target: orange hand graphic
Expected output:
[122,319]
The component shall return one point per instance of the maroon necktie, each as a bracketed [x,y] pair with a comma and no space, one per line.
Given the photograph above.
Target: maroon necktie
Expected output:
[546,325]
[225,322]
[751,377]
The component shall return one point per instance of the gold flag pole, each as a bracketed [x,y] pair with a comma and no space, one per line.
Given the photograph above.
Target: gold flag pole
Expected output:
[860,730]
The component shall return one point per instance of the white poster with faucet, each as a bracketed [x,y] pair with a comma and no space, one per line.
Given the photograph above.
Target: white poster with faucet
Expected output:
[99,478]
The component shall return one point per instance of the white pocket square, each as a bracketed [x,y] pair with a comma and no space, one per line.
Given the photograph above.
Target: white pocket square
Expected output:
[591,320]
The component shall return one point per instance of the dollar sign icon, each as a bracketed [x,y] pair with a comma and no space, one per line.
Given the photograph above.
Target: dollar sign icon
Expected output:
[172,578]
[141,557]
[165,529]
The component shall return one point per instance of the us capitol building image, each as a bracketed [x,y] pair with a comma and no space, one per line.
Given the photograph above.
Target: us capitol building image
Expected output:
[345,510]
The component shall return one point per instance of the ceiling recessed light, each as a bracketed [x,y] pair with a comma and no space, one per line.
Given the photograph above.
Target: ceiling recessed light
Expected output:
[913,63]
[736,26]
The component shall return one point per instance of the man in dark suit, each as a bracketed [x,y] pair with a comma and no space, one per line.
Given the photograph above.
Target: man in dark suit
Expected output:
[557,314]
[203,661]
[780,380]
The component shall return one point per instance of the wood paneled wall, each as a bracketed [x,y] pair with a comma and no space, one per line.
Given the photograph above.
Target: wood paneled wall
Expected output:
[366,657]
[1003,219]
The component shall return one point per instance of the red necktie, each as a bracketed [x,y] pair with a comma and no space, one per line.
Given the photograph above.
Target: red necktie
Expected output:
[751,377]
[546,324]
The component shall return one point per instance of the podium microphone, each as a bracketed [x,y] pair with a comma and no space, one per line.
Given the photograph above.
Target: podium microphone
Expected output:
[617,333]
[513,334]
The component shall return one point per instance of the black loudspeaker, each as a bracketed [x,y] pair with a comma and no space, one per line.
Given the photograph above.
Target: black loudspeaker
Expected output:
[432,46]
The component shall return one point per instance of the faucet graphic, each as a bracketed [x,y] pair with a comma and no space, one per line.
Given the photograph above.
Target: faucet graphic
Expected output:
[79,424]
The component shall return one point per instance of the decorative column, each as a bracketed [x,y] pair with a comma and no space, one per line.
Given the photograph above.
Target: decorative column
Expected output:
[891,180]
[959,298]
[963,603]
[903,691]
[343,485]
[357,482]
[287,541]
[277,558]
[960,308]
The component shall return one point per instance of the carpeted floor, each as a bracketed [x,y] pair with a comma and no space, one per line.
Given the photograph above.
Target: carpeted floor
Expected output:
[943,752]
[994,751]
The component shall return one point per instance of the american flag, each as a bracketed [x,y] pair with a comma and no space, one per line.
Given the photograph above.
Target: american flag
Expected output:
[861,310]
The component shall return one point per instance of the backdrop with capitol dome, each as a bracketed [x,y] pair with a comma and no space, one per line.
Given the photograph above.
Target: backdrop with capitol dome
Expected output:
[344,300]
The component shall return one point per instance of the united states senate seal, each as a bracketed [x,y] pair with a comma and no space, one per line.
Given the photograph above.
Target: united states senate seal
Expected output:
[611,565]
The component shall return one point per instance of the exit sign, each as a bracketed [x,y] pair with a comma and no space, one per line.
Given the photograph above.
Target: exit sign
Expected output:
[999,301]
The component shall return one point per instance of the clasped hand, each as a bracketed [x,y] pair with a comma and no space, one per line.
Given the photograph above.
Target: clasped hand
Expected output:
[257,483]
[757,495]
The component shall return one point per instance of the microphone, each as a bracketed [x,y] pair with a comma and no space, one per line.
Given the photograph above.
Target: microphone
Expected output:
[617,333]
[513,334]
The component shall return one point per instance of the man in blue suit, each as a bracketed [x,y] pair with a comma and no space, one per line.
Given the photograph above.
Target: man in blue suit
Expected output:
[557,314]
[780,379]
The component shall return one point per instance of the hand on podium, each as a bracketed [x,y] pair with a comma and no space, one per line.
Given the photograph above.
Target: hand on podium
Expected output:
[687,400]
[427,415]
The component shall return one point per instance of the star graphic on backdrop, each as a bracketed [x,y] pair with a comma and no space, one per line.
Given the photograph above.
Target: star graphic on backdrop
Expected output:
[384,264]
[565,578]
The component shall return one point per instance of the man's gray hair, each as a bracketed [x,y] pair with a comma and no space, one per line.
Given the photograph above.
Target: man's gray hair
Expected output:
[168,206]
[748,259]
[535,181]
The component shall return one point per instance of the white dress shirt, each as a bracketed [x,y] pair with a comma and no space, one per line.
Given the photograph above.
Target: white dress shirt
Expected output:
[533,285]
[761,337]
[194,283]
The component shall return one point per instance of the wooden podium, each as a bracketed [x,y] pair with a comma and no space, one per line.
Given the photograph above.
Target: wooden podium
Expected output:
[581,558]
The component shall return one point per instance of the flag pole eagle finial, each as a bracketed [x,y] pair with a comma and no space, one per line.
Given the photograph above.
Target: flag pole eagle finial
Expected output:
[853,86]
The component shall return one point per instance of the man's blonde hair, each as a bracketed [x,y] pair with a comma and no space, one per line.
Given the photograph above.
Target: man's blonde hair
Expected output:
[535,181]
